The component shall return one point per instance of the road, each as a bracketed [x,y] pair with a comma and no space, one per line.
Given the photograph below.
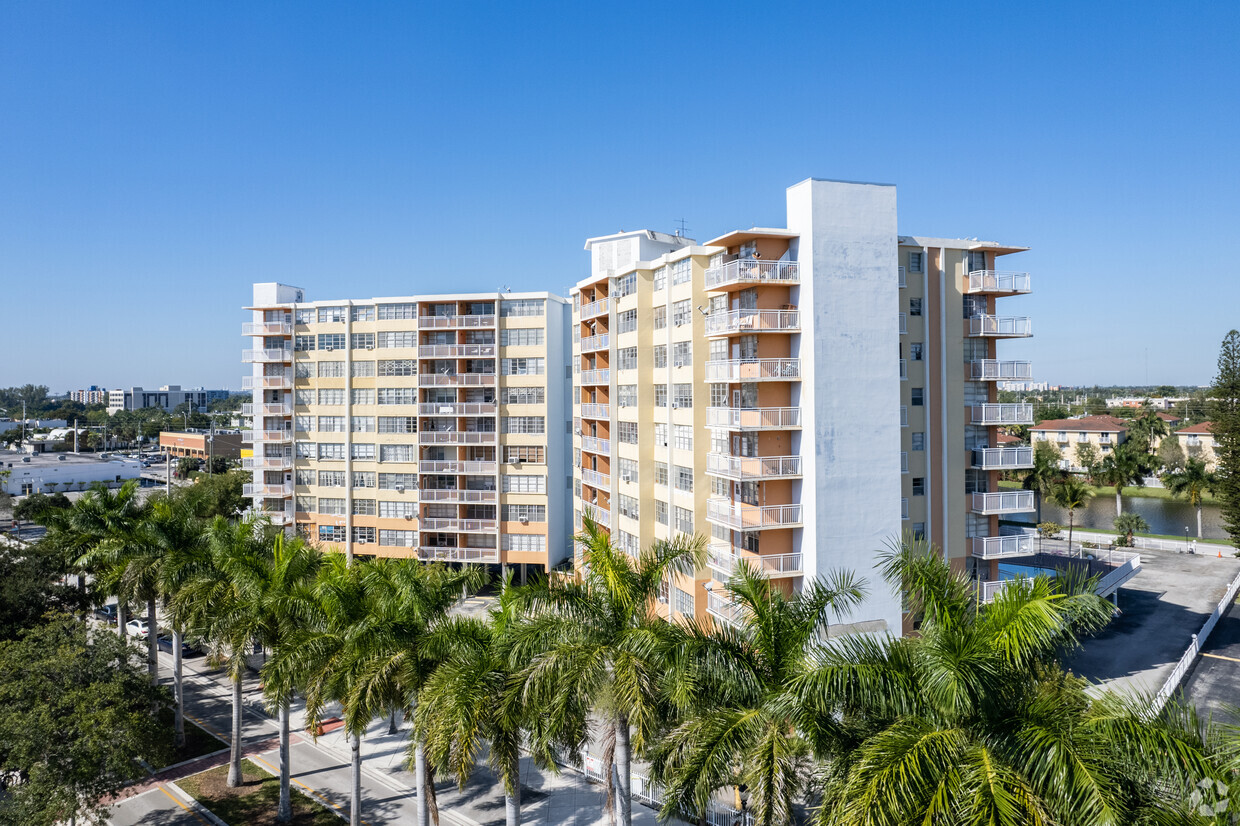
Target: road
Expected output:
[1213,684]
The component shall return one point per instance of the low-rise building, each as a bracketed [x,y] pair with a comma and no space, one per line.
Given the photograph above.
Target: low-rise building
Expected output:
[1197,442]
[58,472]
[168,397]
[1104,433]
[201,444]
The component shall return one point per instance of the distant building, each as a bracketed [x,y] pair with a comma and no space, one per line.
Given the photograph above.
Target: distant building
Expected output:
[168,397]
[1198,443]
[1103,432]
[57,472]
[91,395]
[223,445]
[31,424]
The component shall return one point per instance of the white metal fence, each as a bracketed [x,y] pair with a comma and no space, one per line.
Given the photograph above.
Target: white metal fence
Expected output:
[1194,648]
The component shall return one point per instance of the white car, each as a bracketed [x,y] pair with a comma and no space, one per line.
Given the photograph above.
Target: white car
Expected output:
[136,628]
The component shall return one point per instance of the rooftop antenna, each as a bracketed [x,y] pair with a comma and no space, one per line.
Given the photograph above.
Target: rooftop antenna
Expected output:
[682,229]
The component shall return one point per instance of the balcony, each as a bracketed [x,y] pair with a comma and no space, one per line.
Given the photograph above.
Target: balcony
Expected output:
[595,308]
[902,277]
[993,282]
[997,326]
[436,351]
[456,379]
[741,517]
[722,608]
[266,410]
[722,558]
[457,437]
[267,328]
[439,322]
[989,504]
[266,356]
[595,377]
[746,271]
[266,382]
[457,495]
[1001,547]
[432,553]
[753,467]
[268,437]
[595,411]
[903,369]
[454,466]
[988,414]
[995,370]
[600,516]
[459,409]
[259,491]
[459,525]
[593,343]
[1002,458]
[267,463]
[282,518]
[754,418]
[747,370]
[733,322]
[593,444]
[599,481]
[903,324]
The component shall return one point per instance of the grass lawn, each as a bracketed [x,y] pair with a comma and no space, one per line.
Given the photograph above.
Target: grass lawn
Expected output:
[255,800]
[197,743]
[1146,493]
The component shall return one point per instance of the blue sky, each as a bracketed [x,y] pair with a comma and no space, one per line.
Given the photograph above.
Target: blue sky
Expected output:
[156,159]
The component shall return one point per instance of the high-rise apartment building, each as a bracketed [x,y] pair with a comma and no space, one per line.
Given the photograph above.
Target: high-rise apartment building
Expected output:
[800,395]
[91,395]
[429,426]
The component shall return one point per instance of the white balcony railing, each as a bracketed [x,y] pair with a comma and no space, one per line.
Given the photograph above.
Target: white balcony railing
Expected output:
[732,322]
[594,444]
[723,558]
[443,351]
[995,370]
[266,356]
[595,376]
[282,489]
[595,411]
[266,382]
[722,608]
[595,308]
[746,370]
[993,281]
[431,553]
[456,379]
[591,343]
[266,410]
[594,479]
[904,461]
[1002,458]
[742,517]
[600,516]
[752,271]
[754,418]
[459,409]
[903,324]
[903,369]
[470,321]
[753,467]
[1001,414]
[902,275]
[457,437]
[459,525]
[267,463]
[269,437]
[267,328]
[1016,501]
[454,466]
[998,547]
[457,495]
[993,326]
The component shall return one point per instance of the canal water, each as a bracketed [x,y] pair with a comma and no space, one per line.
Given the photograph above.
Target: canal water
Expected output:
[1166,516]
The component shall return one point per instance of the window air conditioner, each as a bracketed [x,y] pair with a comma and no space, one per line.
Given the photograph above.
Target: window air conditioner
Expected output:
[626,477]
[525,520]
[679,363]
[409,517]
[370,346]
[400,488]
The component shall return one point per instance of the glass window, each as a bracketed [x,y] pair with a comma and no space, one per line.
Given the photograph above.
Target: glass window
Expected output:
[362,313]
[626,358]
[398,367]
[363,424]
[303,343]
[626,322]
[660,355]
[362,341]
[397,510]
[523,395]
[393,312]
[363,451]
[534,542]
[396,338]
[363,507]
[398,539]
[524,484]
[514,307]
[331,341]
[532,454]
[397,395]
[329,315]
[684,437]
[363,369]
[398,453]
[331,395]
[660,318]
[660,512]
[682,271]
[524,513]
[523,367]
[331,424]
[398,481]
[331,369]
[523,424]
[332,450]
[363,479]
[331,478]
[682,312]
[532,337]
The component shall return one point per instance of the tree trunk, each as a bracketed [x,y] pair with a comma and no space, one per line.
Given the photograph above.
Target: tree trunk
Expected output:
[512,808]
[1070,533]
[285,811]
[355,781]
[1119,501]
[152,642]
[422,811]
[234,755]
[120,619]
[1199,522]
[624,803]
[178,688]
[1037,501]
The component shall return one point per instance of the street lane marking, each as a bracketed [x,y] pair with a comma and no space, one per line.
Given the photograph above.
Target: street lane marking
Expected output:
[172,797]
[1220,657]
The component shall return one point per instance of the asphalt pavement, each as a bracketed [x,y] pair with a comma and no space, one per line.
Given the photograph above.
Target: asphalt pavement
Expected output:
[1213,684]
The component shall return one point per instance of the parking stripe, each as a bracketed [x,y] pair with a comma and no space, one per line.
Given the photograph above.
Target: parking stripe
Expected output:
[1219,657]
[173,798]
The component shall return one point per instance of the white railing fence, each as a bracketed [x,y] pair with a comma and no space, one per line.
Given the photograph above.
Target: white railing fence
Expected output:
[1194,648]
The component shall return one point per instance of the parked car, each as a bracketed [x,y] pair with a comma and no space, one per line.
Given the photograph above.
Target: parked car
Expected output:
[136,628]
[188,649]
[107,613]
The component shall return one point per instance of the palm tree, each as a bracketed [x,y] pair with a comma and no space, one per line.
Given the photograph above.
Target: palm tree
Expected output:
[1192,481]
[599,642]
[1145,429]
[1122,467]
[1128,524]
[972,720]
[1070,494]
[104,515]
[1044,472]
[739,723]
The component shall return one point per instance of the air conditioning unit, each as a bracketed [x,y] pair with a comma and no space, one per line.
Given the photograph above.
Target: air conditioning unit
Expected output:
[525,520]
[675,406]
[409,517]
[626,477]
[329,349]
[400,488]
[370,346]
[515,461]
[679,363]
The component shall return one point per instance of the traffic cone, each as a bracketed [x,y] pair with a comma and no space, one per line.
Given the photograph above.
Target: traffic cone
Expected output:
[1220,554]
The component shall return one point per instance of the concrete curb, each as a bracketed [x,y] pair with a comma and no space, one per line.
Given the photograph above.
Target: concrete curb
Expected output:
[195,806]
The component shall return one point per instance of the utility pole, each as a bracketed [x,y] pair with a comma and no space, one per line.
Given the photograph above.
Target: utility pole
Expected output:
[75,435]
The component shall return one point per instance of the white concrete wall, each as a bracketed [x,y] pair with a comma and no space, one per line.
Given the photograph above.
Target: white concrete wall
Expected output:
[48,477]
[849,350]
[559,439]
